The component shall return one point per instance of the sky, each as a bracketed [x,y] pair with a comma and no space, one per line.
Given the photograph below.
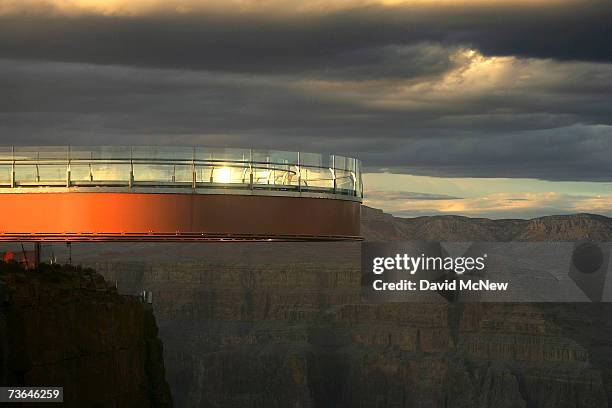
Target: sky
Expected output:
[499,109]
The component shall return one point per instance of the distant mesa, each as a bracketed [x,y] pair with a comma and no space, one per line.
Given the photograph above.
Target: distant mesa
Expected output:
[377,225]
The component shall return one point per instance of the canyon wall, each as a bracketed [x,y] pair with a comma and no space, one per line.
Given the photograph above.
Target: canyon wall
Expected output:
[298,335]
[283,325]
[64,326]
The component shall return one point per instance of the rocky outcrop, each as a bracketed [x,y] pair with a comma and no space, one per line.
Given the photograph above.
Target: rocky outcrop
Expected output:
[66,326]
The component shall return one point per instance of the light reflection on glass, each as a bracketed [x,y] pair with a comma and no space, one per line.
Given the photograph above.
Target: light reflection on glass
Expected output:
[222,175]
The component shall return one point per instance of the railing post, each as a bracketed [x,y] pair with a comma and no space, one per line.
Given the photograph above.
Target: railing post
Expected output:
[334,171]
[194,174]
[251,169]
[131,181]
[299,169]
[38,167]
[360,182]
[68,169]
[354,174]
[13,167]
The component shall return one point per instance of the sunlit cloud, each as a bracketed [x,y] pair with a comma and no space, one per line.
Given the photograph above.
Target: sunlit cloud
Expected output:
[502,205]
[472,77]
[142,7]
[473,187]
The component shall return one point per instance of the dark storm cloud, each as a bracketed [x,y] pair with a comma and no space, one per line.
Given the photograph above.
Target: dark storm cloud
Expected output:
[396,86]
[512,134]
[575,153]
[354,43]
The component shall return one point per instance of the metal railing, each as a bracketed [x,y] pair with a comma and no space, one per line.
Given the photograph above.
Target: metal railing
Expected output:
[184,167]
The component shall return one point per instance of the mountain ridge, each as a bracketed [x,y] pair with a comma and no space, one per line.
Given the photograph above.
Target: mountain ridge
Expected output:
[380,226]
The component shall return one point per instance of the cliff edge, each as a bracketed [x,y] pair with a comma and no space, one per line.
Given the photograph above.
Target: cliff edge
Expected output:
[65,326]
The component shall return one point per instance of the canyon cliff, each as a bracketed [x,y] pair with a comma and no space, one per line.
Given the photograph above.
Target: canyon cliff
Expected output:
[65,326]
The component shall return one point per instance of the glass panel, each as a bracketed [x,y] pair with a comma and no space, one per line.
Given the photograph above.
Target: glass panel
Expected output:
[339,162]
[203,173]
[344,180]
[353,165]
[100,153]
[315,160]
[316,178]
[164,173]
[285,175]
[183,173]
[100,164]
[275,156]
[5,173]
[26,173]
[224,154]
[110,172]
[274,167]
[81,172]
[223,173]
[6,153]
[163,153]
[293,176]
[230,173]
[344,163]
[41,153]
[262,174]
[52,172]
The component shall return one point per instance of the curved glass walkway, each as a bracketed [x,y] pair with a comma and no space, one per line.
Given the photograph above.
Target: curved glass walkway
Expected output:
[27,167]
